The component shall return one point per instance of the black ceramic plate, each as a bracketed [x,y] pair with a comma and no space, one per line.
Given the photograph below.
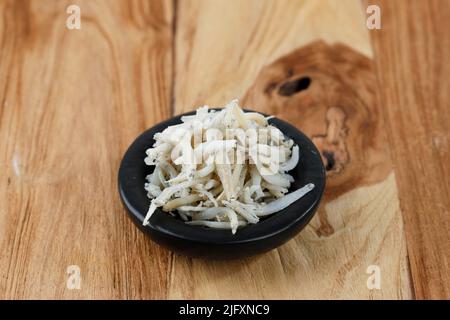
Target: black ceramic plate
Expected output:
[197,241]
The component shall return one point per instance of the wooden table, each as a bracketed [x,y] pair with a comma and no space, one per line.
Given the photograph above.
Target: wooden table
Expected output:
[376,102]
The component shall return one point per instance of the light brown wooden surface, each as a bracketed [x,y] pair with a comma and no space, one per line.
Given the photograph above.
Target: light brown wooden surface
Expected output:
[413,61]
[360,222]
[71,101]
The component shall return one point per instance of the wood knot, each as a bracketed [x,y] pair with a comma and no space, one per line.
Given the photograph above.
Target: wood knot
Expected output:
[332,144]
[327,91]
[292,87]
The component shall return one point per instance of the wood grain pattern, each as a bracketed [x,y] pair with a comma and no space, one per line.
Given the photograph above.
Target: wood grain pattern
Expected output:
[360,223]
[328,92]
[413,64]
[71,102]
[248,35]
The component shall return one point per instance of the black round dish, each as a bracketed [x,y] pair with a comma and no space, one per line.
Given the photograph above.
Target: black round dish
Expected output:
[196,241]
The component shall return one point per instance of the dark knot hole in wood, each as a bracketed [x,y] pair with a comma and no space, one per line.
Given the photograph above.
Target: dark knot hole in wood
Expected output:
[292,87]
[329,157]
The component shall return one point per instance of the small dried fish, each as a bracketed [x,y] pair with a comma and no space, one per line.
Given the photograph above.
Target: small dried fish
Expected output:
[222,169]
